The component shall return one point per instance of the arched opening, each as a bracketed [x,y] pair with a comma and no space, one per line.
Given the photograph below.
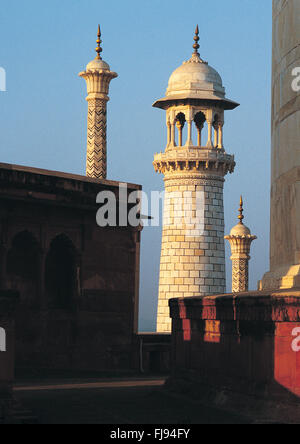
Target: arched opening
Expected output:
[180,123]
[60,275]
[200,120]
[23,267]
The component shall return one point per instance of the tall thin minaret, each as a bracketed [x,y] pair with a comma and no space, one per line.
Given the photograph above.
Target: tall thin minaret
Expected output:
[193,251]
[98,77]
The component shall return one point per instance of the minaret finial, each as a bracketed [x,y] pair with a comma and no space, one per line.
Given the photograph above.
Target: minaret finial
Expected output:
[196,46]
[99,41]
[241,210]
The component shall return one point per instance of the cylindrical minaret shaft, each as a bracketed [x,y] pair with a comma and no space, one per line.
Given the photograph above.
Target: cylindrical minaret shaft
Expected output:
[240,274]
[98,77]
[96,158]
[240,240]
[192,253]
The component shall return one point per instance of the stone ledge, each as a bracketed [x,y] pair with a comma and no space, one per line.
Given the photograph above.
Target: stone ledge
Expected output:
[5,167]
[37,186]
[279,306]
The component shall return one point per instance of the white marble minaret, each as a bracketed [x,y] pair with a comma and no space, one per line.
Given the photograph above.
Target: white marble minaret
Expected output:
[192,254]
[98,77]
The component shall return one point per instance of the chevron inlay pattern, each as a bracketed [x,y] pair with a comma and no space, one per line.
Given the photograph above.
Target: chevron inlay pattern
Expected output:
[96,162]
[240,275]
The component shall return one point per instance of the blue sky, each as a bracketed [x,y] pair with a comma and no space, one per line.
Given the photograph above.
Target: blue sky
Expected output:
[44,45]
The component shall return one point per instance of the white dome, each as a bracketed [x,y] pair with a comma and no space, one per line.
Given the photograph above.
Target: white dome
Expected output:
[197,77]
[240,230]
[98,64]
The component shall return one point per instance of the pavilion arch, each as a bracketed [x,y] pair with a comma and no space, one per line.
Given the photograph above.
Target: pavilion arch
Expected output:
[200,119]
[180,123]
[22,266]
[61,273]
[218,124]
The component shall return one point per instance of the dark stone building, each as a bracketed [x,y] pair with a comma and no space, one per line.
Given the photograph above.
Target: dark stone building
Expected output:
[8,303]
[78,282]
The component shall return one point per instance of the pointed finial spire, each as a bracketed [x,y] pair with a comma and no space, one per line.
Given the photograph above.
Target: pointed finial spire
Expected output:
[99,41]
[196,46]
[241,210]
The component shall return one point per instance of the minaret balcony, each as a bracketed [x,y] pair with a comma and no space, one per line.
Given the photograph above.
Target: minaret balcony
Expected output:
[193,159]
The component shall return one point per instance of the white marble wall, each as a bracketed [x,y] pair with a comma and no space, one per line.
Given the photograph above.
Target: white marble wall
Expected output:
[285,191]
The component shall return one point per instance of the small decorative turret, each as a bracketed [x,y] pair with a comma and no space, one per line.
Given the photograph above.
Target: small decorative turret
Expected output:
[240,240]
[98,77]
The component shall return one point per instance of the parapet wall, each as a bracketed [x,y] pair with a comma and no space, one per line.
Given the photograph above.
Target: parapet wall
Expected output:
[240,352]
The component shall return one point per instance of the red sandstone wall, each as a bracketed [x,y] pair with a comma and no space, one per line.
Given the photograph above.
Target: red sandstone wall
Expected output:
[240,343]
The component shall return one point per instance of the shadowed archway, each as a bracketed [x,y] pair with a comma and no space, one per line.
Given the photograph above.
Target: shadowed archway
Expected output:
[60,276]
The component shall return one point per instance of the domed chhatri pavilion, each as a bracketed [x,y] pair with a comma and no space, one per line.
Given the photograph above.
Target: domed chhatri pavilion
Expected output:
[193,252]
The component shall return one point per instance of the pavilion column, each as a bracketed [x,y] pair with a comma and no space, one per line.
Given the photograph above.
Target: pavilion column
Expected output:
[209,140]
[189,141]
[179,127]
[216,136]
[220,137]
[173,134]
[168,133]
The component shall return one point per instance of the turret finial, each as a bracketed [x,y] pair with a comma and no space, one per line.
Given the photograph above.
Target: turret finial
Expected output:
[99,41]
[196,46]
[241,210]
